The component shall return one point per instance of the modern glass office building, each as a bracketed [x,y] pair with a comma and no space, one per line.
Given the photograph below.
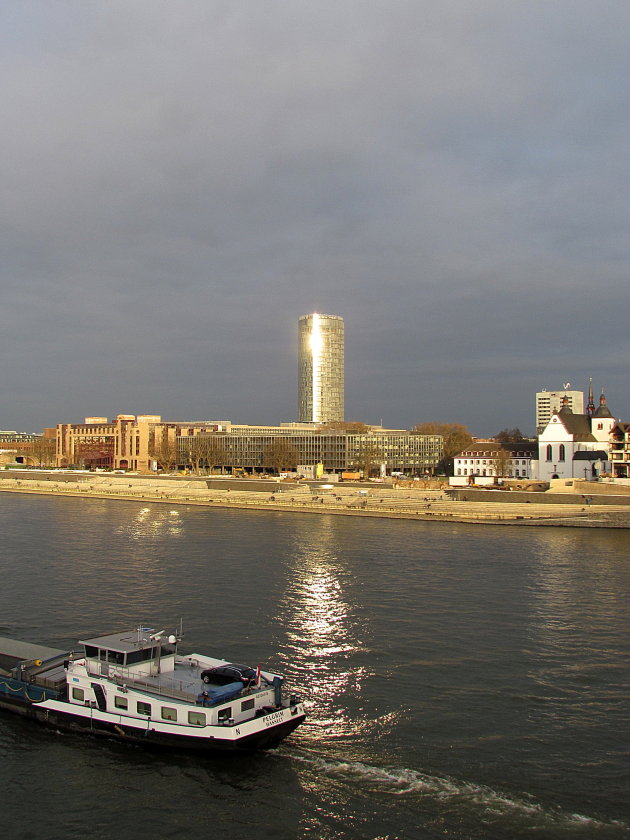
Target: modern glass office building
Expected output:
[320,368]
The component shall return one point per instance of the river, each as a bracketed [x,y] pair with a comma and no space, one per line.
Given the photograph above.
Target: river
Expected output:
[461,681]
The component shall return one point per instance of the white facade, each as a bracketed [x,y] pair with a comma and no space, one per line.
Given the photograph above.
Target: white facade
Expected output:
[479,461]
[574,446]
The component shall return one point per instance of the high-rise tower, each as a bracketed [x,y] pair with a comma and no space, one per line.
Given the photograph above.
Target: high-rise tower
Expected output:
[320,368]
[548,402]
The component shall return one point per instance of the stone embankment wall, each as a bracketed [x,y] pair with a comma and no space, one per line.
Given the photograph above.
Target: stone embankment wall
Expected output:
[516,497]
[184,489]
[366,500]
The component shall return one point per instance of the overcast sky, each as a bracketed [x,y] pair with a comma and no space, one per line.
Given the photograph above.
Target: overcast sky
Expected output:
[182,180]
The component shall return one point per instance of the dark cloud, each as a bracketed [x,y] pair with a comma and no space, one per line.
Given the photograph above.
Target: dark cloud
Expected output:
[181,182]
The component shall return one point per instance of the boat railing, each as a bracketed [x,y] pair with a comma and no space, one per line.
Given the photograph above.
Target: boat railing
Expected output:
[124,677]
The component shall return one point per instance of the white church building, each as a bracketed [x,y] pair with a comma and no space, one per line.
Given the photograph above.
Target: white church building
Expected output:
[576,445]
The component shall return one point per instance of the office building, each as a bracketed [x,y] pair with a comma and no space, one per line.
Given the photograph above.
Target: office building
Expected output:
[321,368]
[550,402]
[145,442]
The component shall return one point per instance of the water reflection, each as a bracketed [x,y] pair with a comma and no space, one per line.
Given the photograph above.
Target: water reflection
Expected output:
[323,631]
[153,523]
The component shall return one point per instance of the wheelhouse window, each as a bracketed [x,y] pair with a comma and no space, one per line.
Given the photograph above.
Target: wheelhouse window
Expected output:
[143,708]
[135,656]
[168,713]
[224,714]
[121,702]
[197,718]
[78,694]
[115,657]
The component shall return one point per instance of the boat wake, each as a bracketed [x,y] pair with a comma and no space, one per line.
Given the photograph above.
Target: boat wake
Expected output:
[478,801]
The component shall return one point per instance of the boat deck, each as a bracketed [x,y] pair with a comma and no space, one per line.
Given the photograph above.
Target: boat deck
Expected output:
[184,683]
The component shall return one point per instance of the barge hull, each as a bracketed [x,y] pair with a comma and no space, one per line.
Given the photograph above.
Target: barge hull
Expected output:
[266,739]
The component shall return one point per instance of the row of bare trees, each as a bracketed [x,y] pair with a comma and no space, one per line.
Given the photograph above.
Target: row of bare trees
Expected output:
[203,453]
[42,452]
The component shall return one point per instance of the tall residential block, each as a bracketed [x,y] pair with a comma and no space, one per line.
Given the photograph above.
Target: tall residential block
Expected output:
[320,368]
[550,402]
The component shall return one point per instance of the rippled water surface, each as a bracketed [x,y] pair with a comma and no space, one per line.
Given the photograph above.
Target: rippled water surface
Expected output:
[462,681]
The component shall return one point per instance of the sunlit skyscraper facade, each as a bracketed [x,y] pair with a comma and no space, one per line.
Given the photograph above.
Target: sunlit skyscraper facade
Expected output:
[321,368]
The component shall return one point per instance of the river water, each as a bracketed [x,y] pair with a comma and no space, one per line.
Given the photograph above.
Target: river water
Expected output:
[462,681]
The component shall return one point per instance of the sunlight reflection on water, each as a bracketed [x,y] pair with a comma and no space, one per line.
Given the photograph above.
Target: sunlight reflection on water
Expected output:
[152,523]
[323,633]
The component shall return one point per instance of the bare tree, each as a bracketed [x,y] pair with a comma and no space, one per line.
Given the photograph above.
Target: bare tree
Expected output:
[42,451]
[509,436]
[501,461]
[192,452]
[456,437]
[367,457]
[350,426]
[210,452]
[281,455]
[164,451]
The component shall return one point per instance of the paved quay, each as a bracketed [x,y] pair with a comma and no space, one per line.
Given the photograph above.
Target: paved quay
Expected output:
[373,501]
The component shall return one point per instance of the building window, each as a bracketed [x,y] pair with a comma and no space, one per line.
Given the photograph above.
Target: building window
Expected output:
[561,452]
[549,452]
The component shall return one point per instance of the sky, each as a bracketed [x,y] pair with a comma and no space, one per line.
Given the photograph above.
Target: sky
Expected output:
[182,180]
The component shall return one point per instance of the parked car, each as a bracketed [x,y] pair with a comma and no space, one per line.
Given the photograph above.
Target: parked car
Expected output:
[224,674]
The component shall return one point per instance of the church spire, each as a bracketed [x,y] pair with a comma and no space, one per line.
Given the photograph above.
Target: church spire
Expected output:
[602,410]
[590,408]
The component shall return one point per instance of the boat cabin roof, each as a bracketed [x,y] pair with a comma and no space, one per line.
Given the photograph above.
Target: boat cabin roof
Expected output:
[126,641]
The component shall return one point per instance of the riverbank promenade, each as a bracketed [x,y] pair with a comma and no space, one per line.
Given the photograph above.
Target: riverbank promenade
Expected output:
[371,500]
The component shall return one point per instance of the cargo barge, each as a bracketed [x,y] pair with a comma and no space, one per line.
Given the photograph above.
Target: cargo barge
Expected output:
[135,686]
